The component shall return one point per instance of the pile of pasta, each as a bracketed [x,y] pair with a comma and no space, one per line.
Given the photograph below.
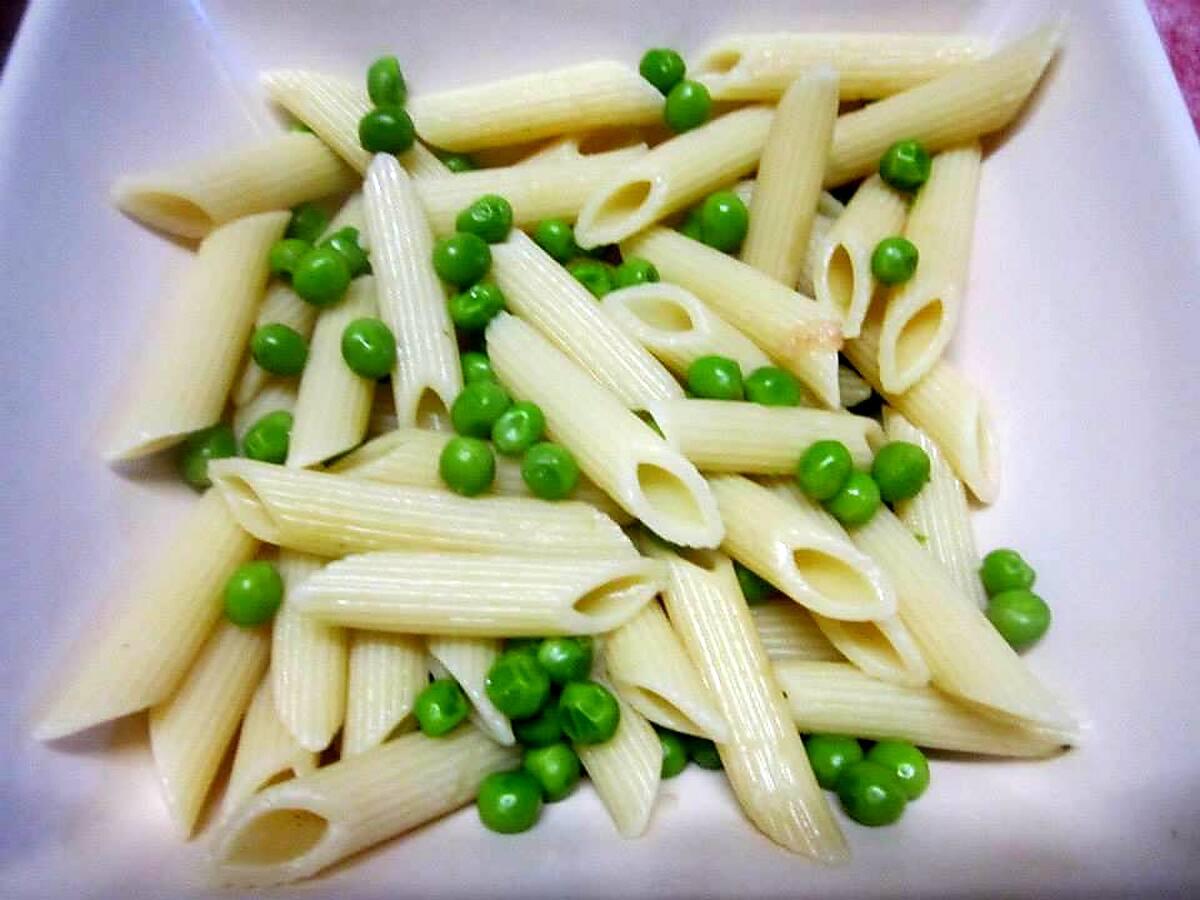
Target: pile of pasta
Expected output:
[388,575]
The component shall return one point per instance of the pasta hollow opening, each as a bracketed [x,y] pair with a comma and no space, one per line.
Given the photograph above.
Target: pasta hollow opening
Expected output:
[832,577]
[275,837]
[721,63]
[247,507]
[918,334]
[168,210]
[431,410]
[869,648]
[617,598]
[661,314]
[669,496]
[623,203]
[657,708]
[839,278]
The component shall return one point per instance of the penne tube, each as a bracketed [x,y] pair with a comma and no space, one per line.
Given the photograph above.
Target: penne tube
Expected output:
[480,596]
[624,457]
[788,631]
[386,673]
[828,209]
[296,829]
[673,175]
[467,660]
[882,648]
[799,334]
[276,395]
[331,515]
[281,305]
[182,384]
[192,200]
[548,297]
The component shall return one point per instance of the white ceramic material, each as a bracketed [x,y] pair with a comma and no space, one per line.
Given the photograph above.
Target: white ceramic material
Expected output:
[1082,323]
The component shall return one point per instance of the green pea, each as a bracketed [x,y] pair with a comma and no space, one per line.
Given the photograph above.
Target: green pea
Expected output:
[517,685]
[550,471]
[472,309]
[462,259]
[253,594]
[905,165]
[770,386]
[216,442]
[524,644]
[557,238]
[688,106]
[285,255]
[824,469]
[906,762]
[1020,615]
[540,730]
[674,753]
[1006,570]
[856,502]
[900,469]
[556,769]
[691,226]
[307,222]
[441,707]
[477,408]
[635,270]
[829,755]
[593,275]
[724,221]
[385,82]
[476,367]
[268,438]
[871,794]
[894,260]
[518,428]
[279,349]
[703,753]
[467,466]
[458,162]
[509,802]
[715,378]
[322,276]
[490,217]
[345,242]
[566,658]
[663,68]
[386,129]
[754,588]
[588,712]
[368,347]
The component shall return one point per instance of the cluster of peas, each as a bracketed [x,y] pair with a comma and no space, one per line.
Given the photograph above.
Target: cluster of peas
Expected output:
[1020,615]
[826,473]
[590,268]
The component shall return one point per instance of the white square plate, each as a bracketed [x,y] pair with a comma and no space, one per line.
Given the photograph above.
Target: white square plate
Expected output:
[1082,324]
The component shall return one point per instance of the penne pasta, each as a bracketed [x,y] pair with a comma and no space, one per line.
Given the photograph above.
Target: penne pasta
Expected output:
[853,388]
[276,395]
[828,209]
[386,673]
[788,631]
[882,648]
[624,457]
[281,305]
[467,660]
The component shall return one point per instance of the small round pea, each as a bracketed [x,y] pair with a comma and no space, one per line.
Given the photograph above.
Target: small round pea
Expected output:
[588,712]
[716,378]
[557,238]
[593,275]
[901,470]
[307,222]
[458,162]
[385,82]
[386,129]
[556,768]
[253,594]
[279,349]
[268,438]
[829,754]
[368,347]
[1006,570]
[345,242]
[857,501]
[477,408]
[688,106]
[871,794]
[476,367]
[549,470]
[635,270]
[691,226]
[566,658]
[467,466]
[1020,615]
[674,752]
[472,309]
[703,753]
[518,428]
[441,707]
[824,469]
[285,255]
[906,762]
[509,802]
[517,684]
[894,260]
[770,386]
[462,259]
[724,221]
[540,730]
[216,442]
[755,589]
[321,276]
[905,165]
[663,68]
[490,217]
